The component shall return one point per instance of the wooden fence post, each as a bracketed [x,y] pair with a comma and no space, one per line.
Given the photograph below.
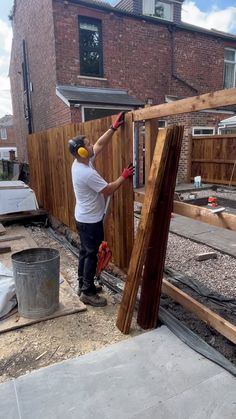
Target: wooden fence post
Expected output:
[151,130]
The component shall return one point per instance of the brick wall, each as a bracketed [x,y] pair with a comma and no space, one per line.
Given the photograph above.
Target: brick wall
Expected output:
[10,141]
[137,56]
[47,109]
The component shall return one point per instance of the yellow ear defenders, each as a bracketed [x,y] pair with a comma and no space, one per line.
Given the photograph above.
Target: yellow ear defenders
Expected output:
[77,148]
[82,152]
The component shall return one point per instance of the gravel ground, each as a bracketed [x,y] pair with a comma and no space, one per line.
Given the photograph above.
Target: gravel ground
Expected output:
[220,192]
[217,274]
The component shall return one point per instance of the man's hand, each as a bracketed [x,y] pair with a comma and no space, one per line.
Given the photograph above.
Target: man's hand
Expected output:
[128,171]
[119,121]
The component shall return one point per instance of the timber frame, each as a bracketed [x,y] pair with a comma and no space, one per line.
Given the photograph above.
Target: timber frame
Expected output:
[150,115]
[206,101]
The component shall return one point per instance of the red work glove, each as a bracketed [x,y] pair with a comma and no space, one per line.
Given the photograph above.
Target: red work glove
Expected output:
[119,121]
[128,171]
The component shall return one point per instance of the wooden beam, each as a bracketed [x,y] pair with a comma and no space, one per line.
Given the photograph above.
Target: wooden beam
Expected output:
[192,104]
[10,238]
[155,259]
[151,131]
[205,215]
[216,161]
[222,326]
[223,219]
[153,187]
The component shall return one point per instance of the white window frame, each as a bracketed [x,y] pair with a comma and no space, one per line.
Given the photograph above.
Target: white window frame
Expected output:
[4,152]
[231,62]
[3,133]
[149,9]
[203,128]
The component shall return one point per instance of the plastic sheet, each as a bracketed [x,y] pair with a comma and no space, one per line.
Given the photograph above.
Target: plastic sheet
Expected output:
[194,341]
[220,300]
[7,291]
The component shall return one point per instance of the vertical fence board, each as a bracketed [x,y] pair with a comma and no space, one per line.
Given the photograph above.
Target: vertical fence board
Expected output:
[50,177]
[213,158]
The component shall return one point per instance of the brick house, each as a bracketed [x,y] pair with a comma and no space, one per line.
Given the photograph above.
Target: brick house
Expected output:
[77,60]
[8,149]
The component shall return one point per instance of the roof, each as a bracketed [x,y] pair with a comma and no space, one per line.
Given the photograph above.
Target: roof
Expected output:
[97,96]
[6,121]
[107,7]
[228,121]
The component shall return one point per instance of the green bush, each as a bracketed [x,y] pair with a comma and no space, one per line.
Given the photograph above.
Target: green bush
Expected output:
[3,176]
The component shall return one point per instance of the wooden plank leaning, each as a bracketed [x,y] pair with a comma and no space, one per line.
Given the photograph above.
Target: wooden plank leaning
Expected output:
[218,323]
[144,229]
[155,258]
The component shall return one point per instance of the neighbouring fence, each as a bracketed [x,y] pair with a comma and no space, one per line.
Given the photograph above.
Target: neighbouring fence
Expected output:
[10,170]
[214,158]
[50,178]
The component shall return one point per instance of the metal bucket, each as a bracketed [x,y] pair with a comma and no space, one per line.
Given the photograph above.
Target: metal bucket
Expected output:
[36,273]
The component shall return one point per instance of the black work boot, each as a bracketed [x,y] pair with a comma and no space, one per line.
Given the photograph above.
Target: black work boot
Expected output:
[93,300]
[98,289]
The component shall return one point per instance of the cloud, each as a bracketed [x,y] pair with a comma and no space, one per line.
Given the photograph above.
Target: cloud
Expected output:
[5,36]
[223,20]
[5,49]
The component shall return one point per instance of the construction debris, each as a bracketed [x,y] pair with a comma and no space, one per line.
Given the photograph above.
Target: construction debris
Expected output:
[2,230]
[5,249]
[206,256]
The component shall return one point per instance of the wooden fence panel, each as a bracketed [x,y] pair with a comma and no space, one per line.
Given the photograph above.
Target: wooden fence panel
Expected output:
[50,177]
[213,158]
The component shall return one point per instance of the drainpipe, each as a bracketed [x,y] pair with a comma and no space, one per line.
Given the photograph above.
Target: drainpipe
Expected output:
[27,92]
[173,61]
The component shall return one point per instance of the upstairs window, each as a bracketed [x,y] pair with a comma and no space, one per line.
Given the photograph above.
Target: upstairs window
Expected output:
[3,134]
[230,68]
[160,9]
[90,35]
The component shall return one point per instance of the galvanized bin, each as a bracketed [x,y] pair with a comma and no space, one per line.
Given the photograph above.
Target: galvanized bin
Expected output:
[36,273]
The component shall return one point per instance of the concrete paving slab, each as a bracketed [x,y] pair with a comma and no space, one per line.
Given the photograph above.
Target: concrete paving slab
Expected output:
[218,238]
[203,401]
[8,401]
[132,378]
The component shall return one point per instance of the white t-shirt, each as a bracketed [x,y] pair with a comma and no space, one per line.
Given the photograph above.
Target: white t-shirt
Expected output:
[87,183]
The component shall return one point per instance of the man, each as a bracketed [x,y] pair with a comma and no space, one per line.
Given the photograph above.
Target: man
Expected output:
[91,191]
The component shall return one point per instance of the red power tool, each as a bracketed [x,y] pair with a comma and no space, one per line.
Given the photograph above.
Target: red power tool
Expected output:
[104,257]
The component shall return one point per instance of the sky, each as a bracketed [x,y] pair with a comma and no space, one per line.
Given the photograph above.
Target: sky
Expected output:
[216,14]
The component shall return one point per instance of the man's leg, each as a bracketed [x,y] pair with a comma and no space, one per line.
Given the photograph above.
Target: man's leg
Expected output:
[91,235]
[82,255]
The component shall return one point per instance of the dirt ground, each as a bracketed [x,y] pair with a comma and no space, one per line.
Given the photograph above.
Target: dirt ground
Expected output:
[48,342]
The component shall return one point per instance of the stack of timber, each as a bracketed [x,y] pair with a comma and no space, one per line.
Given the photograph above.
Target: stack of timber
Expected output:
[148,255]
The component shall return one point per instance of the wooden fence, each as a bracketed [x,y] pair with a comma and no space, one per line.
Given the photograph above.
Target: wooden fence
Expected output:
[50,177]
[214,158]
